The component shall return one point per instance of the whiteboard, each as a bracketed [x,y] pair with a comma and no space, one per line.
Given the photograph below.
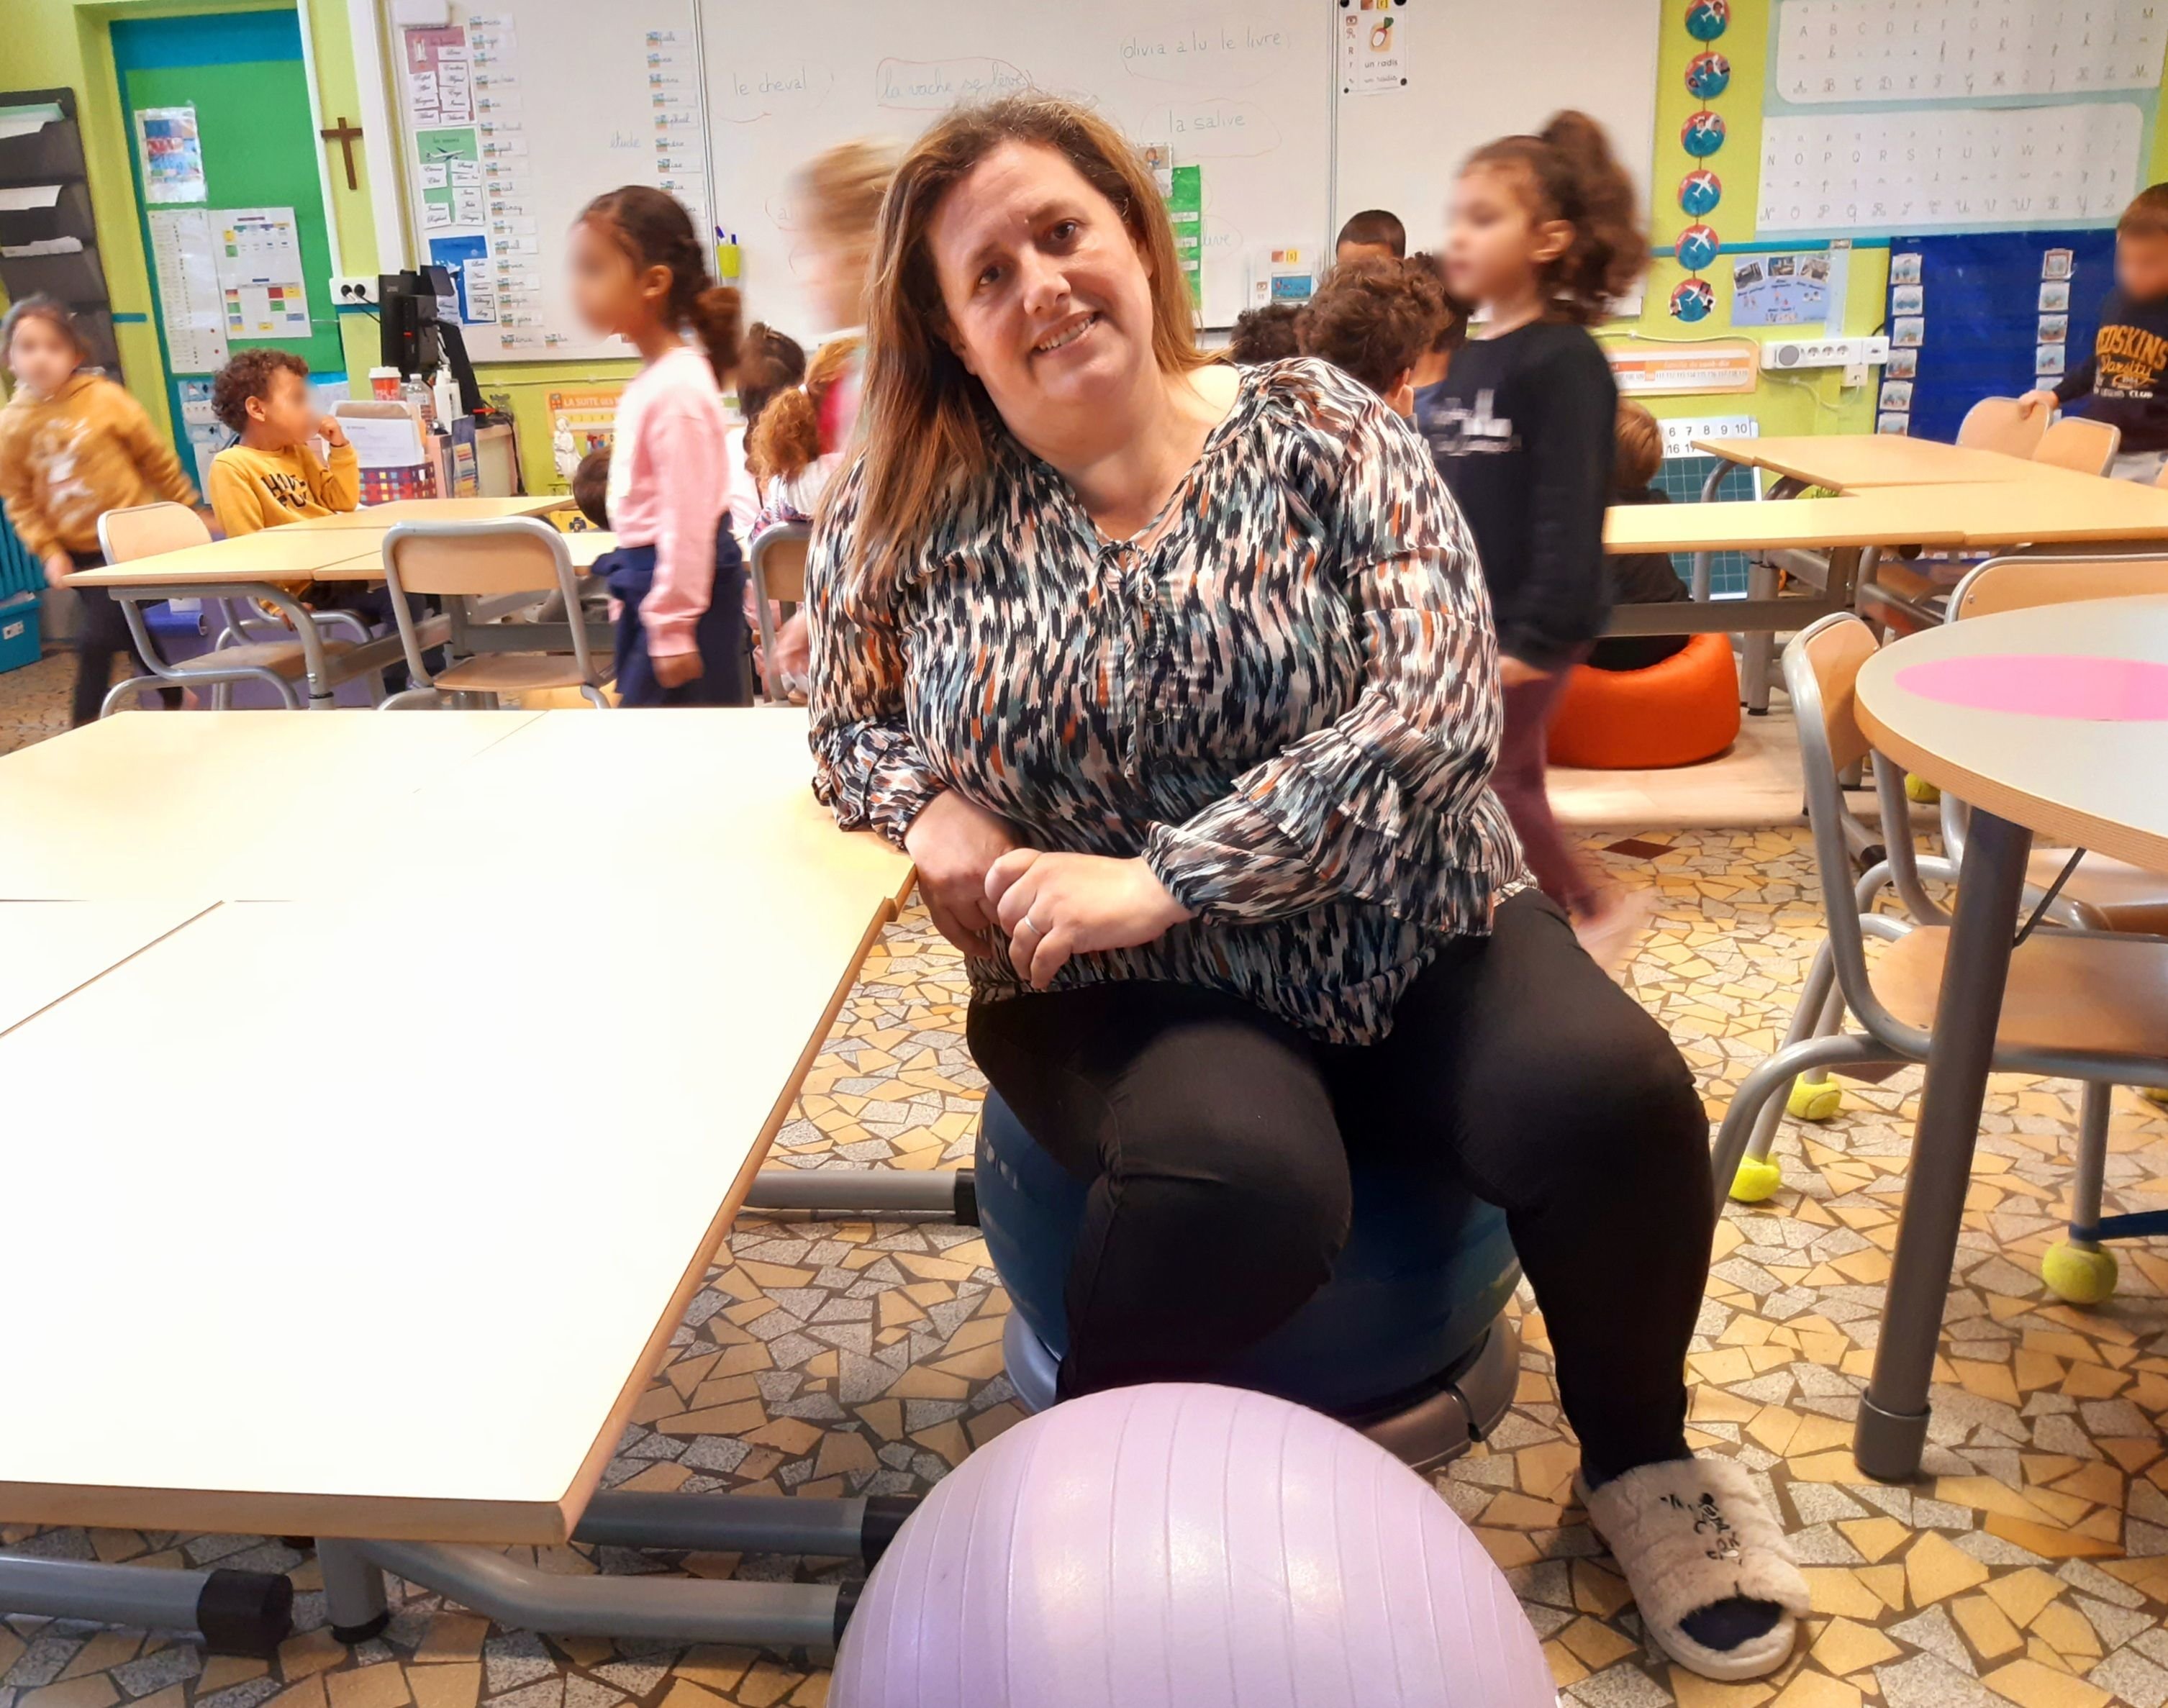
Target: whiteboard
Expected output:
[1242,92]
[563,99]
[1481,69]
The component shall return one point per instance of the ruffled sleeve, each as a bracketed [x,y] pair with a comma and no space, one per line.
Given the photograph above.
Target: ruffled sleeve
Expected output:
[869,768]
[1375,805]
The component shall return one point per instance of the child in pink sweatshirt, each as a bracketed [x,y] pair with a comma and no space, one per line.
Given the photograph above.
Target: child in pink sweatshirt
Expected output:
[639,270]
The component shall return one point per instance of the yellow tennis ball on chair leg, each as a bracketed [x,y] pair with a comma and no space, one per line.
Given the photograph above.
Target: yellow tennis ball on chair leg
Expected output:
[1814,1099]
[2079,1274]
[1757,1180]
[1918,788]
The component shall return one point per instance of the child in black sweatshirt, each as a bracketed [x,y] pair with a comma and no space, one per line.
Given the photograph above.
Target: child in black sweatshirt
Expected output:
[1542,237]
[2125,378]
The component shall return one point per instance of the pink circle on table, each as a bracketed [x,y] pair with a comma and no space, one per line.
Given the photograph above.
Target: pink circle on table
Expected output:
[2046,684]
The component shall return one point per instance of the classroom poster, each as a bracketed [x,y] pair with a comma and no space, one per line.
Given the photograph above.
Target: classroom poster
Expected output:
[1374,47]
[439,80]
[580,422]
[172,154]
[451,176]
[191,306]
[1783,290]
[467,259]
[201,427]
[1185,207]
[258,255]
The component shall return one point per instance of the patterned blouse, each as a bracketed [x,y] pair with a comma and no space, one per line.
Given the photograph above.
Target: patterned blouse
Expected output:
[1287,702]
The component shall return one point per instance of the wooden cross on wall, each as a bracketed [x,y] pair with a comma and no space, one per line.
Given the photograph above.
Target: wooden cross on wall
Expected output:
[345,135]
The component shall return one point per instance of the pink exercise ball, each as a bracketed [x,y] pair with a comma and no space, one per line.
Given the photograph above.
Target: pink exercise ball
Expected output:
[1185,1547]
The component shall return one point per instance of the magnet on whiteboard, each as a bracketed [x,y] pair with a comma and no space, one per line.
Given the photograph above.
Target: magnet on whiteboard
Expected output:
[1707,19]
[1692,300]
[1708,76]
[1697,247]
[1702,134]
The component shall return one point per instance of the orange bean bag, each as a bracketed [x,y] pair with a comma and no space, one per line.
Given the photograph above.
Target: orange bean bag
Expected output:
[1676,713]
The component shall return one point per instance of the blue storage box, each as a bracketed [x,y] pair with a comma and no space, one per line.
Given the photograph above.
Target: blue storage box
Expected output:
[18,633]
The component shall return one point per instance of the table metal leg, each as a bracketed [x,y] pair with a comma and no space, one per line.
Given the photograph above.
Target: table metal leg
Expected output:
[354,1591]
[237,1612]
[1892,1416]
[781,1616]
[868,1191]
[1758,644]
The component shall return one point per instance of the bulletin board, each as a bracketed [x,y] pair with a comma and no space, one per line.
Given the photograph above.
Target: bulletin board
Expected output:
[1986,314]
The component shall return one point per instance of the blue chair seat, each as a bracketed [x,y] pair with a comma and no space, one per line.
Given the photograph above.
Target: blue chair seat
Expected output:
[1423,1277]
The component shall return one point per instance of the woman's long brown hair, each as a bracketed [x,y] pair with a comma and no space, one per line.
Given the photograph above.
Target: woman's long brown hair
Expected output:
[928,426]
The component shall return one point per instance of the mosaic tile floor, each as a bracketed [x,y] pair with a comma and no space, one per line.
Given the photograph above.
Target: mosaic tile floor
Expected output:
[2029,1565]
[33,700]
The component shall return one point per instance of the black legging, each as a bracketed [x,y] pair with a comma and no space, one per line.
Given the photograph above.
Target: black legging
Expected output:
[1217,1139]
[103,636]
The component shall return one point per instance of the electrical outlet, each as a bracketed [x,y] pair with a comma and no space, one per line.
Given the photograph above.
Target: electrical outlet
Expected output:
[1783,355]
[354,292]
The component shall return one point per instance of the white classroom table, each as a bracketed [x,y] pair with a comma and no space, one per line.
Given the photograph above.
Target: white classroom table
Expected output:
[2070,509]
[1857,462]
[2093,784]
[417,983]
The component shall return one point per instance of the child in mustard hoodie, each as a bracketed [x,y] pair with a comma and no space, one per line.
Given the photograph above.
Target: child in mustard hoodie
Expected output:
[73,446]
[272,477]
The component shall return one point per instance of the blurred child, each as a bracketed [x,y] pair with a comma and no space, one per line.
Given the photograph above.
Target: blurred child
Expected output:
[769,362]
[2126,376]
[840,194]
[791,470]
[1639,578]
[1450,333]
[789,464]
[1374,234]
[591,488]
[73,446]
[272,477]
[1265,335]
[1543,236]
[641,271]
[1372,318]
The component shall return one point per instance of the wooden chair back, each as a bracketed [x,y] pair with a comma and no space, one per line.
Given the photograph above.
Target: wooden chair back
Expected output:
[2073,442]
[146,530]
[2018,584]
[778,563]
[1834,651]
[477,560]
[1998,424]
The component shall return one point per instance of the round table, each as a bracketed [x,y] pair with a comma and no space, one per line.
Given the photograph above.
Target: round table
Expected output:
[2053,719]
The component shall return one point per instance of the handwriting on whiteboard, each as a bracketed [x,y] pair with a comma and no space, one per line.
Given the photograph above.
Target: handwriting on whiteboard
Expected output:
[1860,50]
[1962,169]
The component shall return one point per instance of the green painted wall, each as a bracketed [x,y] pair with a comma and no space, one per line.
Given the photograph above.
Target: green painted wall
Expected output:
[253,117]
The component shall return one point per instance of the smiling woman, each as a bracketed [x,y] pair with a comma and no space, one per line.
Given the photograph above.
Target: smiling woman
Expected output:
[1179,685]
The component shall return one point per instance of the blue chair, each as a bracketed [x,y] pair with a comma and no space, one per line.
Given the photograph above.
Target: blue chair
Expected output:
[1406,1342]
